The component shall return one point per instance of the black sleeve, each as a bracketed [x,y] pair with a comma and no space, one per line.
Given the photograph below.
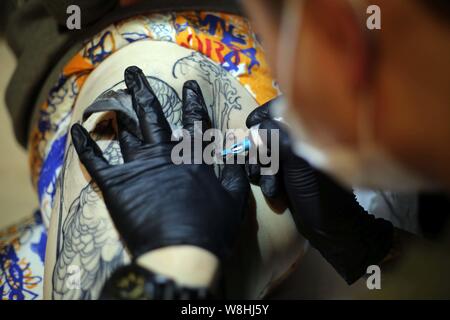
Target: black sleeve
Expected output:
[330,217]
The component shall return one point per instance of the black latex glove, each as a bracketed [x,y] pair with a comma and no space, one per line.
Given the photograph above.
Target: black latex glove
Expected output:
[153,202]
[328,215]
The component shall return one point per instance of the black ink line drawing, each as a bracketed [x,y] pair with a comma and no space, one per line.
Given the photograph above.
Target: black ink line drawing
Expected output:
[167,96]
[223,91]
[80,224]
[87,239]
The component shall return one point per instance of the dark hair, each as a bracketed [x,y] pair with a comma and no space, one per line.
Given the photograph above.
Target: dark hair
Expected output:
[440,8]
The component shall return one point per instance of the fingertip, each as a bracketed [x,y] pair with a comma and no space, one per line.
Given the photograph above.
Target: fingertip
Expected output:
[132,75]
[250,122]
[192,85]
[269,186]
[81,142]
[253,173]
[78,134]
[194,107]
[75,129]
[258,115]
[192,91]
[237,174]
[132,71]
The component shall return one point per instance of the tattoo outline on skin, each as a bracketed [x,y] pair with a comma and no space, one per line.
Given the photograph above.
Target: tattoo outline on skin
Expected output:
[217,78]
[223,94]
[87,238]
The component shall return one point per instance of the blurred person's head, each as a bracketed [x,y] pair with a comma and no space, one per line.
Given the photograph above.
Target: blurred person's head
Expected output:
[370,99]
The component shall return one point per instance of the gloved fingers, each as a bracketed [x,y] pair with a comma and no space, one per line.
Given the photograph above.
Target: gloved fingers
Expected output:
[259,115]
[270,185]
[154,126]
[127,140]
[270,130]
[253,172]
[235,182]
[88,151]
[195,113]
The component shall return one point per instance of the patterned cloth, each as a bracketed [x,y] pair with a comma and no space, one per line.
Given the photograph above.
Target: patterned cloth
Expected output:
[226,39]
[22,252]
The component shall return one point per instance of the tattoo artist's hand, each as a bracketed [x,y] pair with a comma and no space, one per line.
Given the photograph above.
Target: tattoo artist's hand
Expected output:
[153,202]
[325,213]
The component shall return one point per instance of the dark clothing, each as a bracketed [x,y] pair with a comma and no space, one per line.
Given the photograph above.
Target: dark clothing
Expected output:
[327,214]
[330,217]
[434,214]
[40,40]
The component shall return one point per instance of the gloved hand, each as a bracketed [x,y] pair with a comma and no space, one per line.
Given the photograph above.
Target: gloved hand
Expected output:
[153,202]
[326,214]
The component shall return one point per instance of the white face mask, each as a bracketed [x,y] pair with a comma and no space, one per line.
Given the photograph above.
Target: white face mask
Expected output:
[367,165]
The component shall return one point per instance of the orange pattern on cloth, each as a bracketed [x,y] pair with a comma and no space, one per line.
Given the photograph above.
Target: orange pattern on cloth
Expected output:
[233,45]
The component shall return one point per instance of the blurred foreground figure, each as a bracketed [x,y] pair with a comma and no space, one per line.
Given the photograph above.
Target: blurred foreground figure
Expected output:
[370,107]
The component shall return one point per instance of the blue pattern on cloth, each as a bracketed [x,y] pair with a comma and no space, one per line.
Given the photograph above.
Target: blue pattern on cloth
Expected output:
[22,253]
